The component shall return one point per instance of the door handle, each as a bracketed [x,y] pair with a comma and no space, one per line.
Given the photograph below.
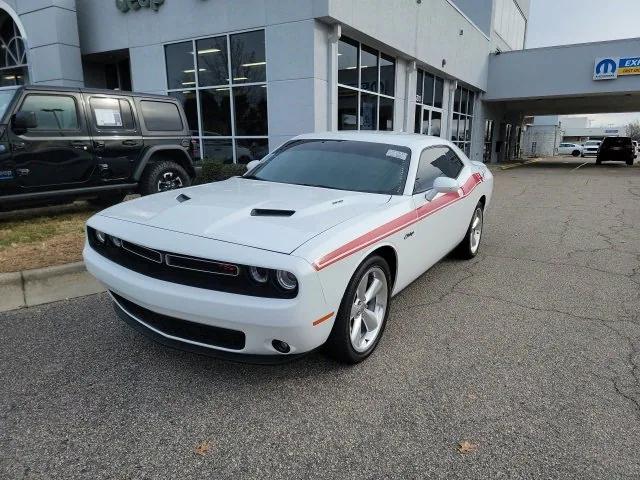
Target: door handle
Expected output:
[18,146]
[130,143]
[98,145]
[79,145]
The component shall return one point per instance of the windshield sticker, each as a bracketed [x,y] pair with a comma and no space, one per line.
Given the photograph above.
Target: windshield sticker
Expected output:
[397,154]
[108,117]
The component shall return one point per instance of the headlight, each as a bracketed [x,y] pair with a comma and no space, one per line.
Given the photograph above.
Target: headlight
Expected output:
[259,275]
[286,280]
[101,236]
[116,241]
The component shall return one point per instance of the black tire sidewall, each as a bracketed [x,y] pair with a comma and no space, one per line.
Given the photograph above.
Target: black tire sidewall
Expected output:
[153,172]
[339,343]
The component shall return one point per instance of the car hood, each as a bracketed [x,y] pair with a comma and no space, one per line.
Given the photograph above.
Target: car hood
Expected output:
[249,212]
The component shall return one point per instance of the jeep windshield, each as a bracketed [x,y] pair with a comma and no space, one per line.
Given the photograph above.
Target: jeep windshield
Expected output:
[6,96]
[338,164]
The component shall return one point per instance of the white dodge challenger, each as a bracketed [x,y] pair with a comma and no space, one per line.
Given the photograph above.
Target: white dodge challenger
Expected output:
[306,249]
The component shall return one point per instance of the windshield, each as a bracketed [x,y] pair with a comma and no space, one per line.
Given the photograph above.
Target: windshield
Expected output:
[338,164]
[5,99]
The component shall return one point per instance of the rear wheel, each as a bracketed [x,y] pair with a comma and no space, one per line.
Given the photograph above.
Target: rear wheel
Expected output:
[469,246]
[163,176]
[576,153]
[363,313]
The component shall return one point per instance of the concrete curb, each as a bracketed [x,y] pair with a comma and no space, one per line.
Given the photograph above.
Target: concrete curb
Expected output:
[46,285]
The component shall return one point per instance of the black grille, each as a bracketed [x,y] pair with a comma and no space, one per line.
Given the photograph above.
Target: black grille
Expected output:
[184,329]
[184,270]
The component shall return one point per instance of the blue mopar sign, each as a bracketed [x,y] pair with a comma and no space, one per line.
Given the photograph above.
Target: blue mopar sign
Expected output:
[606,68]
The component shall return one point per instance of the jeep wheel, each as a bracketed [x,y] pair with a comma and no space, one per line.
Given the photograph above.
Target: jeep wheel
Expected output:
[163,176]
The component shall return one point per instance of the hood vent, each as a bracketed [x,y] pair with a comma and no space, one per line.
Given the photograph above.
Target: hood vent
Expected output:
[270,212]
[183,198]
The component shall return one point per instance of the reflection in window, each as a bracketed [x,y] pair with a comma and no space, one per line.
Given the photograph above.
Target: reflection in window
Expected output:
[216,112]
[248,57]
[190,105]
[54,112]
[212,61]
[250,105]
[347,109]
[251,149]
[429,93]
[462,128]
[366,87]
[232,105]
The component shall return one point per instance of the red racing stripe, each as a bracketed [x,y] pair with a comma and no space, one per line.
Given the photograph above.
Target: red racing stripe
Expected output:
[398,224]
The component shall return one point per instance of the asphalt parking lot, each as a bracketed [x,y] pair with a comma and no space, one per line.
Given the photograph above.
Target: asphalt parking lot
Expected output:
[530,353]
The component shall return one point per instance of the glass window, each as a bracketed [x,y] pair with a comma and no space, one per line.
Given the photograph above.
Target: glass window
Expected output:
[215,105]
[161,116]
[180,70]
[386,114]
[429,82]
[222,110]
[190,105]
[418,120]
[368,103]
[368,111]
[250,104]
[436,124]
[339,164]
[111,114]
[218,150]
[462,128]
[54,112]
[369,69]
[213,68]
[348,62]
[347,109]
[251,149]
[436,162]
[439,93]
[419,86]
[387,75]
[248,58]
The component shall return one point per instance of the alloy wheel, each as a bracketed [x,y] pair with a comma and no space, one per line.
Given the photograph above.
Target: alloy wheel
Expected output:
[369,309]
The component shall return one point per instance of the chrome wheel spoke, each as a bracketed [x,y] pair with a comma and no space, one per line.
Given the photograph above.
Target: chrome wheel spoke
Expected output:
[362,289]
[356,331]
[373,290]
[370,320]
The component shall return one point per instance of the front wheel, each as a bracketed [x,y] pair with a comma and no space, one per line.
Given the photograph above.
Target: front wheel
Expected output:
[363,313]
[469,246]
[163,176]
[576,153]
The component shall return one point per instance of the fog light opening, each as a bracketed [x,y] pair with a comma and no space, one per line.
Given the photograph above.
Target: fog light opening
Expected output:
[280,346]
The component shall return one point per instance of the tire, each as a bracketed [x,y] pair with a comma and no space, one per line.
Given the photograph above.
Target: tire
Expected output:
[107,200]
[630,162]
[163,176]
[576,153]
[470,245]
[582,155]
[598,161]
[351,340]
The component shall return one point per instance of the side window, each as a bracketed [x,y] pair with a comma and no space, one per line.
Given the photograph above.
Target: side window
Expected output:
[436,162]
[161,116]
[54,112]
[111,114]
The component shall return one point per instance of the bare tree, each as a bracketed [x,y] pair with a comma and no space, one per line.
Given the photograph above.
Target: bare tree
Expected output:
[633,130]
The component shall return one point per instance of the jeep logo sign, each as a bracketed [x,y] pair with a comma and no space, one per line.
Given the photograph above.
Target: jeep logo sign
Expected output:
[125,5]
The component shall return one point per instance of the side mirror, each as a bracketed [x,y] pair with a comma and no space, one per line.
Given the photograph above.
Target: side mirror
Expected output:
[252,164]
[443,185]
[24,120]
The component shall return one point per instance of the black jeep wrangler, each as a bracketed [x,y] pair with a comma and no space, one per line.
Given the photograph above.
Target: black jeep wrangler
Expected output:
[61,144]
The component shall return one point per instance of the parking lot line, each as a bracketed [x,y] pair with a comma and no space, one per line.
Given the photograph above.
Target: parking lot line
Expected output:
[507,167]
[581,165]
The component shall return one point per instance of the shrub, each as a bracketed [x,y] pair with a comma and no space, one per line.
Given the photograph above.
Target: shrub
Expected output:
[214,171]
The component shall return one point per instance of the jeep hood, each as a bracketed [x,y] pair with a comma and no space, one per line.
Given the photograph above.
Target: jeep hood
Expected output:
[270,216]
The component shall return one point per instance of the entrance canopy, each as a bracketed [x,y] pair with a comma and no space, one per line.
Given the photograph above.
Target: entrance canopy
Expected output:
[560,80]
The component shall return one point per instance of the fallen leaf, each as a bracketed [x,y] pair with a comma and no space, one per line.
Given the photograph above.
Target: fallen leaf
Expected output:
[466,447]
[203,448]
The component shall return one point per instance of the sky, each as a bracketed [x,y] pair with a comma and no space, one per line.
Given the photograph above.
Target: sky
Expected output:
[562,22]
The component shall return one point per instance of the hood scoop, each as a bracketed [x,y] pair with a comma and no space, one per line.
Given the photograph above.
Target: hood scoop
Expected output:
[271,212]
[183,198]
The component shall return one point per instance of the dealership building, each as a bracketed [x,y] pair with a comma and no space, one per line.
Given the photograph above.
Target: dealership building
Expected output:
[253,73]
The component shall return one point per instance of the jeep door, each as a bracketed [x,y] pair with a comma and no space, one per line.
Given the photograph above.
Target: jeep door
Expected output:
[56,154]
[117,139]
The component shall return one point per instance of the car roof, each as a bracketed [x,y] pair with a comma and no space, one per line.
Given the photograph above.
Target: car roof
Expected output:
[96,91]
[403,139]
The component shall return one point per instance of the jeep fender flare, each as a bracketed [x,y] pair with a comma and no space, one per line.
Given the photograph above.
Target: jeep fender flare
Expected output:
[182,157]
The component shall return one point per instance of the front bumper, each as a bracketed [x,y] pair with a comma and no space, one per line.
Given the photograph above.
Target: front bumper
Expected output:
[261,320]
